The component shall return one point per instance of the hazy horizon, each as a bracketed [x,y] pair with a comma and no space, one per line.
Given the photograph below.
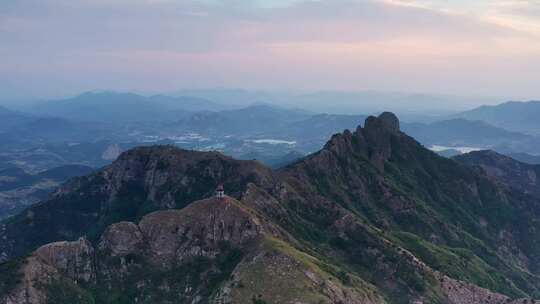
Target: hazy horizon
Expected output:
[316,101]
[54,48]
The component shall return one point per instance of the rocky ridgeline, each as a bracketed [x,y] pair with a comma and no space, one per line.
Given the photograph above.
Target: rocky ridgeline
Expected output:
[167,172]
[372,218]
[141,180]
[167,238]
[162,240]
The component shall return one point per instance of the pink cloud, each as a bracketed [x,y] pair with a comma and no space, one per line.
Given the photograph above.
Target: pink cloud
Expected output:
[345,44]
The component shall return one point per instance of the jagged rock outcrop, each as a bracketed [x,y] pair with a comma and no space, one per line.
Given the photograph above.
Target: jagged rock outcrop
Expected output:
[121,239]
[176,235]
[388,120]
[73,259]
[374,141]
[459,292]
[399,186]
[34,274]
[373,217]
[166,240]
[140,180]
[49,264]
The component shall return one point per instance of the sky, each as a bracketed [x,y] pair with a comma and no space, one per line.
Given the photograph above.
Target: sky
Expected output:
[459,47]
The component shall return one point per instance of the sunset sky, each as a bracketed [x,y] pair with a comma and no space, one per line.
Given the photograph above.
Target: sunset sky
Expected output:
[461,47]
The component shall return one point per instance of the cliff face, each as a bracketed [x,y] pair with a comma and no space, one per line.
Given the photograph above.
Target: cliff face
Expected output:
[373,217]
[140,181]
[439,209]
[215,250]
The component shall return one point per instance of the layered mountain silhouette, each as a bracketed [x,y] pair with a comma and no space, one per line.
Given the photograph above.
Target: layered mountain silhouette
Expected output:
[127,117]
[121,107]
[464,132]
[373,217]
[512,115]
[252,120]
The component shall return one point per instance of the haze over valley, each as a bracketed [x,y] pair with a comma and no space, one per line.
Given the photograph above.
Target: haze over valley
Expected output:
[92,129]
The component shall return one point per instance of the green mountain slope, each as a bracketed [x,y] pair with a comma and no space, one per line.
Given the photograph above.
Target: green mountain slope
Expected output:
[510,172]
[373,217]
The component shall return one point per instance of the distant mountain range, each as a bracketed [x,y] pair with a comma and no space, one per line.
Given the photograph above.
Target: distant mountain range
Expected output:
[252,120]
[461,133]
[261,130]
[9,119]
[113,107]
[323,125]
[525,158]
[516,116]
[409,105]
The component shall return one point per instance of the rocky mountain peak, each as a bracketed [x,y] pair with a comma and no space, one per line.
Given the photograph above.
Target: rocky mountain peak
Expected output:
[387,120]
[373,198]
[373,141]
[141,180]
[176,235]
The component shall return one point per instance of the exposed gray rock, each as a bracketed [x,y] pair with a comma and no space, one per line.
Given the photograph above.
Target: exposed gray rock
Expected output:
[121,239]
[390,121]
[175,235]
[74,260]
